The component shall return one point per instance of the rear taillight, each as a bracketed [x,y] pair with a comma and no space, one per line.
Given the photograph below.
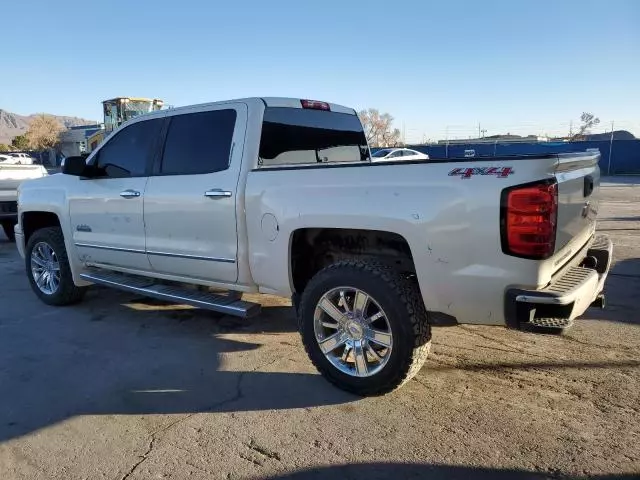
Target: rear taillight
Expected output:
[315,105]
[528,220]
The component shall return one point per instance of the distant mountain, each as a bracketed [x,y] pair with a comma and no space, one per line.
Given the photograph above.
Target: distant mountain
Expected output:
[12,124]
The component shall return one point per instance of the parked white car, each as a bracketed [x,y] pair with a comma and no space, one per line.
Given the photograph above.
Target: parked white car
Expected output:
[404,154]
[7,159]
[278,196]
[16,159]
[22,158]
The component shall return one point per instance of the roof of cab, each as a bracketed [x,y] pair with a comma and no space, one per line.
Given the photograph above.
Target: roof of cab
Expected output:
[268,101]
[296,103]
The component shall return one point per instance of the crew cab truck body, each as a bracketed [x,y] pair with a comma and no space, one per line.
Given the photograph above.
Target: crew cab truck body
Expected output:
[279,196]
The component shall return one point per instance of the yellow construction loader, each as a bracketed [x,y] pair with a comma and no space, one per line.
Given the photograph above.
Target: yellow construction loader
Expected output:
[117,111]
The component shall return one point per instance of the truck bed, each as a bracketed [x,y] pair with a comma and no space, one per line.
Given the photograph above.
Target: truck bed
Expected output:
[448,210]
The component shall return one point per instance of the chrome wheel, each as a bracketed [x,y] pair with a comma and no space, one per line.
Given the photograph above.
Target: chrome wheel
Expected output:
[45,268]
[353,332]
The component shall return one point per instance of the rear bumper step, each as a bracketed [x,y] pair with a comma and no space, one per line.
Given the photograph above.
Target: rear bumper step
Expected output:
[227,304]
[566,297]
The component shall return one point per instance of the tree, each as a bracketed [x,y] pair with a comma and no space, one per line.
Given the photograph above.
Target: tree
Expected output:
[20,142]
[43,132]
[588,121]
[4,148]
[378,128]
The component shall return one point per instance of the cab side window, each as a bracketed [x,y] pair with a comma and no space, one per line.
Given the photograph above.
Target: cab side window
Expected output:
[129,151]
[198,143]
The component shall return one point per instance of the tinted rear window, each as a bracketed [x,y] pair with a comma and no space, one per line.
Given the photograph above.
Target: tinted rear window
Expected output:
[302,136]
[198,142]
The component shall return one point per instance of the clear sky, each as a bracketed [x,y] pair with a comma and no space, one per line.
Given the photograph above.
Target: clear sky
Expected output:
[439,67]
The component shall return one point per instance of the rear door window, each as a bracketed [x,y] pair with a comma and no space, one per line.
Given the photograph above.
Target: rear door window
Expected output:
[293,136]
[198,143]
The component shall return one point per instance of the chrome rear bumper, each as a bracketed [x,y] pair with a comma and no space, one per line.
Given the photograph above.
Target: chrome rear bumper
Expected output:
[566,297]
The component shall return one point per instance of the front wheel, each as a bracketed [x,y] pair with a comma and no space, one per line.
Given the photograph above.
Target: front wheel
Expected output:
[364,327]
[48,268]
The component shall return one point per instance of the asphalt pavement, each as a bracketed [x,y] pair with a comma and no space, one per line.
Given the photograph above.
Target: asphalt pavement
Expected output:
[121,387]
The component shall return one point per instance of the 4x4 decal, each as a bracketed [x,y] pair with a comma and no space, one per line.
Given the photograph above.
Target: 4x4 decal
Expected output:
[500,172]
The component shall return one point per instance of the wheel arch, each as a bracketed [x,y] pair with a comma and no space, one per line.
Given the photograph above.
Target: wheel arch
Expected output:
[31,221]
[312,249]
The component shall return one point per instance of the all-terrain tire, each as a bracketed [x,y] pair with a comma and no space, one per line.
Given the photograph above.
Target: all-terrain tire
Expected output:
[408,319]
[8,230]
[67,292]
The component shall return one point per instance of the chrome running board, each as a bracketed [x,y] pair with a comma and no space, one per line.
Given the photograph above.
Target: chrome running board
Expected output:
[230,304]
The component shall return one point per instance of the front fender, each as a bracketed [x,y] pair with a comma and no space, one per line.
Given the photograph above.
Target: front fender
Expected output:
[43,196]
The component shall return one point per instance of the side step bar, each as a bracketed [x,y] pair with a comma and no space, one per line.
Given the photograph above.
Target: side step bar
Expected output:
[227,304]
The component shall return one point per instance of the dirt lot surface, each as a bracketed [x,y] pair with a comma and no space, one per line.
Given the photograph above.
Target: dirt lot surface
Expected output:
[123,388]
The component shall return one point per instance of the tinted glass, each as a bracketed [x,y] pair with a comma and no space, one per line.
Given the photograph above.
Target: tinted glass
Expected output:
[198,143]
[299,136]
[127,153]
[381,153]
[396,154]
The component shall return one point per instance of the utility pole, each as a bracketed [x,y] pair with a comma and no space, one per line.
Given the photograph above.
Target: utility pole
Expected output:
[570,129]
[479,130]
[610,150]
[446,148]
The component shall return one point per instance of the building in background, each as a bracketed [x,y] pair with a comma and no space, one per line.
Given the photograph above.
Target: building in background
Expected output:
[75,140]
[508,138]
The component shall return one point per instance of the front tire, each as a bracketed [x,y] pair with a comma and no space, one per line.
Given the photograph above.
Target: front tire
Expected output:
[364,327]
[8,230]
[48,268]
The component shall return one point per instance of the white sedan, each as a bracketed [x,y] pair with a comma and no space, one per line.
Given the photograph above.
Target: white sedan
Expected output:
[398,154]
[16,159]
[22,158]
[7,160]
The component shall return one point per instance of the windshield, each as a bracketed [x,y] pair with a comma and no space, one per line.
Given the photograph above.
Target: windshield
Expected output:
[304,136]
[133,108]
[382,153]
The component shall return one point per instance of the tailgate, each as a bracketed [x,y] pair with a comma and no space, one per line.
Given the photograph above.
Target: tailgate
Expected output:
[578,177]
[11,176]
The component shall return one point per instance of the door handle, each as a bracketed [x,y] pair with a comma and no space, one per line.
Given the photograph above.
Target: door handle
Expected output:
[217,193]
[130,194]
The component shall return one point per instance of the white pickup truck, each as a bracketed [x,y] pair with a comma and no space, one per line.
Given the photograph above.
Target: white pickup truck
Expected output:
[11,176]
[280,196]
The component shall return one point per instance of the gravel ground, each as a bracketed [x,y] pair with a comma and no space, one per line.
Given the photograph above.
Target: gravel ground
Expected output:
[120,387]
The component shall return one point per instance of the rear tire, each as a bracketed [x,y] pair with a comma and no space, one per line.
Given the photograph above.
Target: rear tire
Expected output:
[404,327]
[8,230]
[295,302]
[48,268]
